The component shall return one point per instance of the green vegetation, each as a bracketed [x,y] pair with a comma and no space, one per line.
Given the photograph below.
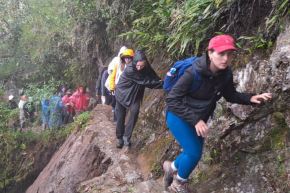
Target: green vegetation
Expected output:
[256,42]
[81,120]
[275,21]
[279,132]
[172,25]
[180,27]
[281,165]
[42,46]
[39,92]
[37,34]
[36,38]
[155,152]
[29,27]
[199,176]
[277,138]
[18,149]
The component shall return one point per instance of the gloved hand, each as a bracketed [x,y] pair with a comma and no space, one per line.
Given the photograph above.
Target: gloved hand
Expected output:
[103,99]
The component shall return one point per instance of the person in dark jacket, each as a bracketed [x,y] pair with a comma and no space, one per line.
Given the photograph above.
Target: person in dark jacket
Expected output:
[188,111]
[106,96]
[45,113]
[12,104]
[103,94]
[129,94]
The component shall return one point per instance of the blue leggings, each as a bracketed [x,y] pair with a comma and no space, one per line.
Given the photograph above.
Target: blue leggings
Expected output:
[187,138]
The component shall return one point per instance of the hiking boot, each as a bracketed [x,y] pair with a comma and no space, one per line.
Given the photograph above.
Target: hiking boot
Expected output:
[178,186]
[120,143]
[168,174]
[127,142]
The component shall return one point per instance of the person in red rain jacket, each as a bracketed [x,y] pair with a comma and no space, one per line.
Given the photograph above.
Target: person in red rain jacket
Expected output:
[69,110]
[80,100]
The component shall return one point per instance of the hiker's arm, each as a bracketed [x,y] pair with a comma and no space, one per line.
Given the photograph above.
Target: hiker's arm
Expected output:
[157,83]
[154,84]
[231,95]
[175,98]
[148,80]
[257,99]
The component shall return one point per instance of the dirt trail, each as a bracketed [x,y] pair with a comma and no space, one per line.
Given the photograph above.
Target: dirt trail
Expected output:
[89,162]
[127,173]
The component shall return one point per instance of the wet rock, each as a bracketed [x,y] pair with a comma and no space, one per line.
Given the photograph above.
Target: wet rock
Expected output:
[78,159]
[132,178]
[150,186]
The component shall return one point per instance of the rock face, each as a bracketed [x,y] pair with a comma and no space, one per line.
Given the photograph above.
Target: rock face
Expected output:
[78,159]
[90,45]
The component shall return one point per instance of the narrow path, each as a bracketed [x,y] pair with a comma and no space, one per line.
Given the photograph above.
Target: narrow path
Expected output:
[124,174]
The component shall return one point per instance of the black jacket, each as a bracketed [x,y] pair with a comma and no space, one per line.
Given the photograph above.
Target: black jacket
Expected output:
[193,106]
[99,80]
[104,90]
[132,82]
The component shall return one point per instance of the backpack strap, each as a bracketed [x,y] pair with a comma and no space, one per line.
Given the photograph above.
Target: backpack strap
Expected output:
[197,79]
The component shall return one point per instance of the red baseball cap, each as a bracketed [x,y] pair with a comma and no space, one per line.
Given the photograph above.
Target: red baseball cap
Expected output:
[221,43]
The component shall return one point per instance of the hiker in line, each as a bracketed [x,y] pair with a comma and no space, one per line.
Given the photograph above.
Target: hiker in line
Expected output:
[98,84]
[103,94]
[115,61]
[106,94]
[12,104]
[29,109]
[188,112]
[56,111]
[92,102]
[126,58]
[68,109]
[80,100]
[62,91]
[22,117]
[129,94]
[45,113]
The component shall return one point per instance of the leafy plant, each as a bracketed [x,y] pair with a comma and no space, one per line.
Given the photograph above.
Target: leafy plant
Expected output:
[281,8]
[82,119]
[39,92]
[178,27]
[256,42]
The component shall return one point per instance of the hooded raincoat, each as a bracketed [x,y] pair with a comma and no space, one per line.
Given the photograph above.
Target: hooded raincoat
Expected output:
[129,94]
[132,82]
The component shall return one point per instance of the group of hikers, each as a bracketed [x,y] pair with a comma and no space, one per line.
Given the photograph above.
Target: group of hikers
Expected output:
[122,85]
[56,111]
[191,96]
[190,101]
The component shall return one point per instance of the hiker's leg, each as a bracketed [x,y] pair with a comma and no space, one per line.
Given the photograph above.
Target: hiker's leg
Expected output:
[113,104]
[191,144]
[108,99]
[134,112]
[121,115]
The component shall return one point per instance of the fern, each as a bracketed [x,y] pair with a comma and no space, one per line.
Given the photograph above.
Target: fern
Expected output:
[281,9]
[178,27]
